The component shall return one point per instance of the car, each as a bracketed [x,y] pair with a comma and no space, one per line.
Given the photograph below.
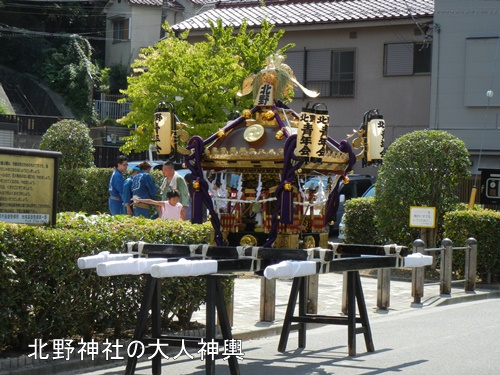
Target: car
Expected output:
[357,186]
[342,227]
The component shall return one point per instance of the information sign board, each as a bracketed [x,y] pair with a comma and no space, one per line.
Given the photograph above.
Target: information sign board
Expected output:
[422,217]
[28,186]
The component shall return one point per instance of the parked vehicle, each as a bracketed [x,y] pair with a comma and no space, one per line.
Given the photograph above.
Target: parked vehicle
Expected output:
[357,186]
[369,193]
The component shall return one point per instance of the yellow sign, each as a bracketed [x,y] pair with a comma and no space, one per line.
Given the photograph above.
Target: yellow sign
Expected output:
[423,217]
[28,186]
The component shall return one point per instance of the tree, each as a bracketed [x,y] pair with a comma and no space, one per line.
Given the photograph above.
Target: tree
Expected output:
[201,79]
[71,138]
[422,168]
[69,70]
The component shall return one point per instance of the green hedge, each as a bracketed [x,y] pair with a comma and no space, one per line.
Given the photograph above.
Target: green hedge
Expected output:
[44,295]
[361,226]
[484,226]
[459,225]
[86,189]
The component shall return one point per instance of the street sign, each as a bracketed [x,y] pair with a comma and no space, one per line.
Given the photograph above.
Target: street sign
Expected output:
[422,217]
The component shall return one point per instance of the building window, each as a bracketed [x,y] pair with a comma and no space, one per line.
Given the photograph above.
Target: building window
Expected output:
[331,72]
[121,30]
[403,59]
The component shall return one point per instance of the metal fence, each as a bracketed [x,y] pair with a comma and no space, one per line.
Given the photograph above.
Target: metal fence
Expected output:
[110,109]
[446,252]
[30,124]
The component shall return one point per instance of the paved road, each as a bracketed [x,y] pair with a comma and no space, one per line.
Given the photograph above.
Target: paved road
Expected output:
[459,339]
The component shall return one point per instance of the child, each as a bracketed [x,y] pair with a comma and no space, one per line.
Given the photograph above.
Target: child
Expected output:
[170,209]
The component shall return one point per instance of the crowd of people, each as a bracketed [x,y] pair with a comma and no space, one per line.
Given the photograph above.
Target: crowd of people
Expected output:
[137,194]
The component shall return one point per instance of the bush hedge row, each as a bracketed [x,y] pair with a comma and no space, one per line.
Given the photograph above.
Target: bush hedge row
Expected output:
[481,224]
[484,226]
[45,296]
[86,189]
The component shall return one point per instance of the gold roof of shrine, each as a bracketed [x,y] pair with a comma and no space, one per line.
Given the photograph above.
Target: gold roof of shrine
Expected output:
[259,143]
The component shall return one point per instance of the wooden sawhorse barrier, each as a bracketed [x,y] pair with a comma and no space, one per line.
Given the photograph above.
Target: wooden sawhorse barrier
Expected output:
[151,300]
[354,294]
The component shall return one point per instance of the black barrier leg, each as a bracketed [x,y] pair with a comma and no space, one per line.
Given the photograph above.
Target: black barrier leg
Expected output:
[351,312]
[156,326]
[149,289]
[210,323]
[292,300]
[302,311]
[225,326]
[363,314]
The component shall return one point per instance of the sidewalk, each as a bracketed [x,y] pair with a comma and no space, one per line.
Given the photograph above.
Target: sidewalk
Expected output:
[246,324]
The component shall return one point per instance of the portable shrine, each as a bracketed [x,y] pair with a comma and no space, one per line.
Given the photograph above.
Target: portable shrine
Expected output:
[250,176]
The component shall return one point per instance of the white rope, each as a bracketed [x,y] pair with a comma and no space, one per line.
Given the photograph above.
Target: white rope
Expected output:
[334,246]
[192,249]
[204,250]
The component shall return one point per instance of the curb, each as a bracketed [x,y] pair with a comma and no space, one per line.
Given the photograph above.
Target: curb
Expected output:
[477,295]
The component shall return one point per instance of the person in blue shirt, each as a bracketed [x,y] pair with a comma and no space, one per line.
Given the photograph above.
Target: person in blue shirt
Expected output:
[127,192]
[115,186]
[143,187]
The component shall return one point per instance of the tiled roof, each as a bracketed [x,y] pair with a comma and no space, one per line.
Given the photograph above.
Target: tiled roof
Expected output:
[304,12]
[170,3]
[157,3]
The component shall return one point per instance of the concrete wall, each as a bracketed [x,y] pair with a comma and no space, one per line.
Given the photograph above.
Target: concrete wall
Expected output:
[403,100]
[466,64]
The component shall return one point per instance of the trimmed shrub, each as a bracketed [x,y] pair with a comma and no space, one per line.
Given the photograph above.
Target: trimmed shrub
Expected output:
[45,295]
[484,226]
[71,138]
[86,189]
[361,225]
[421,168]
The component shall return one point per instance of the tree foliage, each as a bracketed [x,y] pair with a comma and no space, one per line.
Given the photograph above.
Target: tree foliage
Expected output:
[422,168]
[68,69]
[71,138]
[200,79]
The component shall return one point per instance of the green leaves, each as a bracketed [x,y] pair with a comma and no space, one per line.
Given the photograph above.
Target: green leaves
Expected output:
[71,138]
[44,294]
[484,226]
[200,79]
[422,168]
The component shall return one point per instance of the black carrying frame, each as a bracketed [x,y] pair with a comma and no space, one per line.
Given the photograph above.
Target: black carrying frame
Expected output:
[345,258]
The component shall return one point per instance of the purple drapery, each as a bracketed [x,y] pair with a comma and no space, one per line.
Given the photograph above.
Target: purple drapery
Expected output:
[284,204]
[193,162]
[332,204]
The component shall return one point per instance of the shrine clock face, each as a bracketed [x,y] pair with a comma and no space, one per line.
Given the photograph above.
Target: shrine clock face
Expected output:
[253,133]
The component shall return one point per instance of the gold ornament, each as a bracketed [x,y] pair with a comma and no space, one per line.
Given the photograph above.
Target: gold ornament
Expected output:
[345,180]
[253,133]
[279,135]
[269,115]
[196,185]
[247,113]
[288,186]
[248,240]
[221,134]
